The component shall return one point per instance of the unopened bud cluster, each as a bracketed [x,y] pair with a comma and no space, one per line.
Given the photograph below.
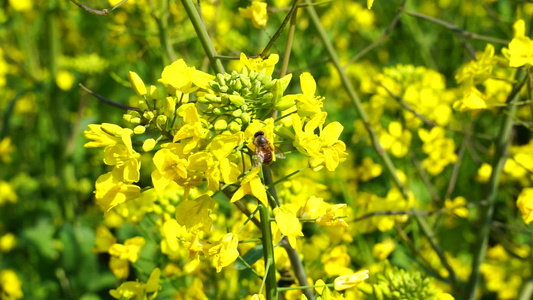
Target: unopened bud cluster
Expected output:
[396,284]
[237,98]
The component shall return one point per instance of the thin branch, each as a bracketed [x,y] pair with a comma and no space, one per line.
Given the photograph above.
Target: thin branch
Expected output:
[407,107]
[454,28]
[382,38]
[486,215]
[107,101]
[434,195]
[103,12]
[280,29]
[413,212]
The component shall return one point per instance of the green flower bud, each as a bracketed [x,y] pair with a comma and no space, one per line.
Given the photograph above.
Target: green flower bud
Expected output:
[246,82]
[245,117]
[161,120]
[149,115]
[237,100]
[139,129]
[210,97]
[238,85]
[237,113]
[284,103]
[378,294]
[267,97]
[253,75]
[137,84]
[149,144]
[366,289]
[224,89]
[221,80]
[202,100]
[234,127]
[221,125]
[269,84]
[219,111]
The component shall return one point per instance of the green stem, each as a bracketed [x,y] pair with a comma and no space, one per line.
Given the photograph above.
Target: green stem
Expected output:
[271,185]
[268,254]
[161,18]
[292,288]
[201,31]
[527,290]
[353,96]
[288,46]
[486,214]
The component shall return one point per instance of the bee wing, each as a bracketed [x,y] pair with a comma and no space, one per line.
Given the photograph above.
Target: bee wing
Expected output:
[279,154]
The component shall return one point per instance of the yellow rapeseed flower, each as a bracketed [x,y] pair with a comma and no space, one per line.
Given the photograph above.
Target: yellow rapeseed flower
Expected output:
[350,281]
[257,11]
[10,285]
[525,204]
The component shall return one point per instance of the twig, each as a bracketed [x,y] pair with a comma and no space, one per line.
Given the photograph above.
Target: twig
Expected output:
[497,166]
[280,29]
[382,38]
[413,212]
[454,28]
[107,101]
[424,176]
[406,106]
[103,12]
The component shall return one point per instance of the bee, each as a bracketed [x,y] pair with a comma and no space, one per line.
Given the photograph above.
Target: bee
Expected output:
[264,151]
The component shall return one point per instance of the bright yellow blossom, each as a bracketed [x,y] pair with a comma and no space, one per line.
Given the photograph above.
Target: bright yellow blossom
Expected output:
[170,162]
[382,250]
[397,140]
[308,104]
[259,64]
[223,252]
[333,216]
[325,149]
[7,193]
[130,250]
[182,78]
[8,242]
[257,11]
[251,185]
[6,148]
[139,290]
[525,204]
[194,214]
[521,47]
[349,281]
[111,190]
[103,240]
[457,206]
[288,224]
[10,285]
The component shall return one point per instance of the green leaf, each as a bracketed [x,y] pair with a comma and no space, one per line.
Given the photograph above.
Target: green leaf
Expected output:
[250,257]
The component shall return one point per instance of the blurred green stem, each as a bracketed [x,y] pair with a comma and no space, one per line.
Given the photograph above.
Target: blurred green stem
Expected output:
[527,290]
[201,31]
[161,17]
[486,214]
[268,254]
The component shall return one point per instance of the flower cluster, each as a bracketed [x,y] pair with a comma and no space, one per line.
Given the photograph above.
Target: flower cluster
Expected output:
[201,132]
